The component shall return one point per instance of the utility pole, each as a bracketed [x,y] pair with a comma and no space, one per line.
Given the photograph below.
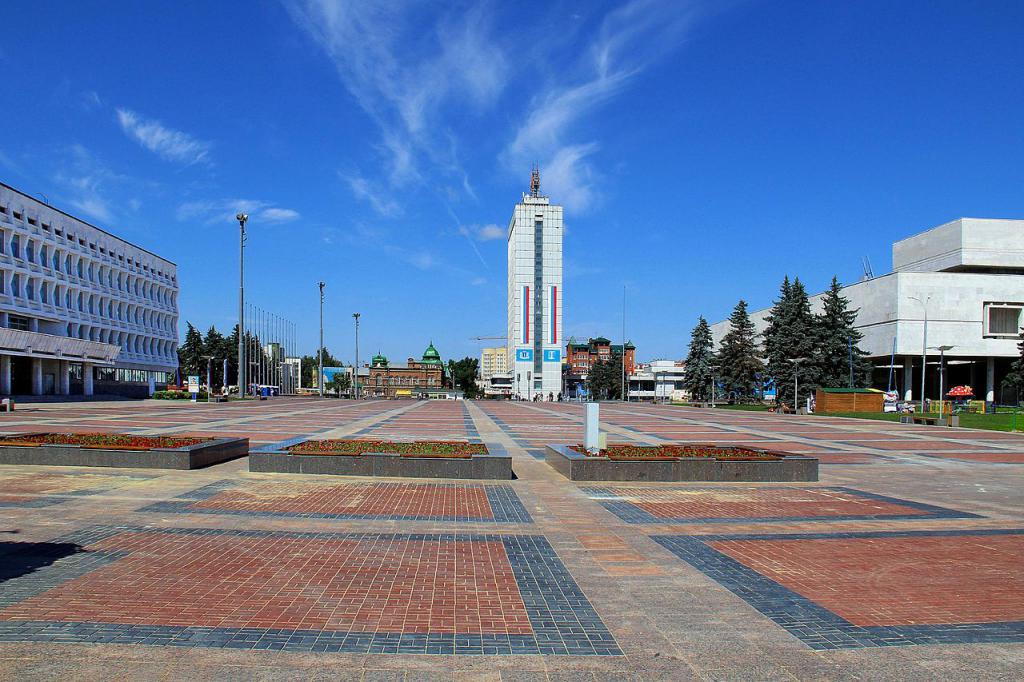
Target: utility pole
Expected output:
[796,381]
[942,374]
[849,341]
[320,350]
[924,344]
[241,218]
[355,374]
[625,397]
[209,377]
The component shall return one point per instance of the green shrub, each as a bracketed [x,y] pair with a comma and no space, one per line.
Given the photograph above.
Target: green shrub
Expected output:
[177,395]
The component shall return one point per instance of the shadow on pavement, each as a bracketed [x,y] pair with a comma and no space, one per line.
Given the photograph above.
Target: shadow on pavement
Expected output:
[20,558]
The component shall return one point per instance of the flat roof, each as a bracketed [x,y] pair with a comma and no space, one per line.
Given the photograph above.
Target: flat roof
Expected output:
[86,222]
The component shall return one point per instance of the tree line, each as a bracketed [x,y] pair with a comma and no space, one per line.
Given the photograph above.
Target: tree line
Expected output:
[197,347]
[821,350]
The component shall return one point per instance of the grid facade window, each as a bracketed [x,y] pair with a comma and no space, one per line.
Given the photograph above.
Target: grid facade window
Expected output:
[72,279]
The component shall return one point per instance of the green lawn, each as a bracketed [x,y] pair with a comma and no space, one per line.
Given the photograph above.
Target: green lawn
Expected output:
[1001,421]
[725,406]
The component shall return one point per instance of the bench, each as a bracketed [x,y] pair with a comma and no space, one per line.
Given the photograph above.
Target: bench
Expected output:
[920,419]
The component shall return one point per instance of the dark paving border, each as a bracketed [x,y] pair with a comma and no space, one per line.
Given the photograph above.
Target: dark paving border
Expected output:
[562,619]
[815,625]
[633,513]
[506,507]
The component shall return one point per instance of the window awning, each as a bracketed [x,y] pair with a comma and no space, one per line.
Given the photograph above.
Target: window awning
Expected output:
[37,345]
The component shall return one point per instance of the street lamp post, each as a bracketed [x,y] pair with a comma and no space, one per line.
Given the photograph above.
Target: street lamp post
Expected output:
[796,381]
[355,374]
[924,343]
[625,387]
[713,368]
[241,218]
[209,377]
[320,350]
[942,372]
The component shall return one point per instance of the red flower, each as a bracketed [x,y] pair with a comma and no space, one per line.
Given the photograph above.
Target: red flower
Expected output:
[105,441]
[675,451]
[422,448]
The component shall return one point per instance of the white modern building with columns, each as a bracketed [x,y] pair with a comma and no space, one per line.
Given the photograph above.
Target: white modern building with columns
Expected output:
[967,278]
[81,311]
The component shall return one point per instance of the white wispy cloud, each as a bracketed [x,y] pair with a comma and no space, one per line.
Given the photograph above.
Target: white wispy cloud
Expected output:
[88,184]
[406,65]
[215,211]
[361,189]
[629,39]
[482,233]
[169,144]
[279,215]
[94,207]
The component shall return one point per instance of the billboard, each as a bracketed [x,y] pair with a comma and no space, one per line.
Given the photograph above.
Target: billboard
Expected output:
[331,372]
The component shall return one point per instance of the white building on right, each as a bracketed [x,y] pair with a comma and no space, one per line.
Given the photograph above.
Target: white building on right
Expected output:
[967,278]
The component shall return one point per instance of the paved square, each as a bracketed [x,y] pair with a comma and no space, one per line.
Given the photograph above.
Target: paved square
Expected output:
[902,562]
[391,501]
[358,593]
[44,488]
[693,504]
[873,589]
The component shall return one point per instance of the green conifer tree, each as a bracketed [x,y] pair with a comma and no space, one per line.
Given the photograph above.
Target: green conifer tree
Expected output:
[213,346]
[739,358]
[190,353]
[697,373]
[1015,377]
[791,334]
[838,355]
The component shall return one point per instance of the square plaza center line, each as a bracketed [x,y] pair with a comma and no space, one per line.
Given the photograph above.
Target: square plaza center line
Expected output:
[394,501]
[663,505]
[342,592]
[865,589]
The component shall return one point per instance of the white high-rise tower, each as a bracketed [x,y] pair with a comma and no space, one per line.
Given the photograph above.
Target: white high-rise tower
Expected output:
[535,294]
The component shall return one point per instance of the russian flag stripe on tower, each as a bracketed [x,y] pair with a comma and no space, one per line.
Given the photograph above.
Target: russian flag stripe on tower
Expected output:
[526,314]
[553,307]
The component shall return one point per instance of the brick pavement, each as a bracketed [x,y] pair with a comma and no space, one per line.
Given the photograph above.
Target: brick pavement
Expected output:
[902,562]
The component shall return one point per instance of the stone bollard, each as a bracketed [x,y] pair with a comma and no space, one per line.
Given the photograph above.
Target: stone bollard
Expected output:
[592,429]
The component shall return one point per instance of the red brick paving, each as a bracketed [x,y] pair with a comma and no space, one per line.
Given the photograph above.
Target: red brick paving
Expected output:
[398,499]
[396,586]
[740,503]
[897,580]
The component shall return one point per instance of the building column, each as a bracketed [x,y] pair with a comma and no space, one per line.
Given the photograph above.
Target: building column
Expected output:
[87,378]
[5,374]
[4,319]
[990,380]
[33,324]
[63,377]
[908,378]
[37,376]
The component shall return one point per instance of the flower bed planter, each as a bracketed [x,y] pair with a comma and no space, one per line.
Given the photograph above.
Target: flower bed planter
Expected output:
[119,450]
[421,459]
[680,462]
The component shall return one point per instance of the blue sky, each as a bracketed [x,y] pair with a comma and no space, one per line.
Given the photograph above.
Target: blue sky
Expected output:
[701,150]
